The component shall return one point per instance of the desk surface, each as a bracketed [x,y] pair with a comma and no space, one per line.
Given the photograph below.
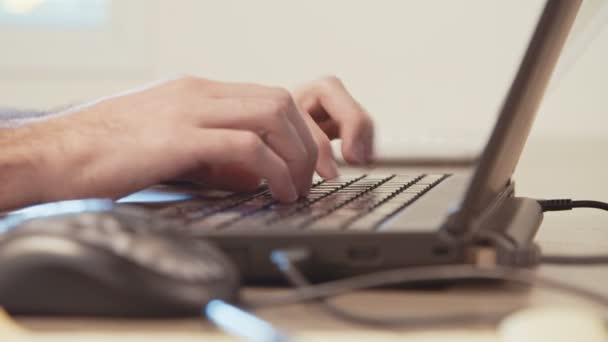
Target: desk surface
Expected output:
[546,170]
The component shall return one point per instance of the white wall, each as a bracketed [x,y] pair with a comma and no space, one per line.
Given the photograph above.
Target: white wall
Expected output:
[433,73]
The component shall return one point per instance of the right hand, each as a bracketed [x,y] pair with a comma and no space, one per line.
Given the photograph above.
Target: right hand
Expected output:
[227,134]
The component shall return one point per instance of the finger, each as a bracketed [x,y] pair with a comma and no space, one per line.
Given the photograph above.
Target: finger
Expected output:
[270,121]
[324,121]
[279,95]
[224,147]
[297,118]
[356,128]
[330,128]
[285,101]
[326,164]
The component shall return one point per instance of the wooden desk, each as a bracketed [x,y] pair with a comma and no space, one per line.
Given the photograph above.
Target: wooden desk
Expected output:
[547,170]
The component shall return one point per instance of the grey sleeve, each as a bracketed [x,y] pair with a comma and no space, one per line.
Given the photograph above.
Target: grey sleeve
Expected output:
[15,117]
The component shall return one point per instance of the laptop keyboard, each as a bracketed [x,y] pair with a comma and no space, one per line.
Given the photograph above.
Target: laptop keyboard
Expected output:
[346,203]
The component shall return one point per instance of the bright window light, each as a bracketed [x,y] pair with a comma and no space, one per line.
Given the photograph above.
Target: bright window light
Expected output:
[54,13]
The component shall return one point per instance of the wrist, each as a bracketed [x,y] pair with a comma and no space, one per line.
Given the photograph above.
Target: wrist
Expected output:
[21,163]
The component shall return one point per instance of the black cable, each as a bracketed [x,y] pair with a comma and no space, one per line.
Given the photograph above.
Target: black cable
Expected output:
[285,261]
[578,260]
[568,204]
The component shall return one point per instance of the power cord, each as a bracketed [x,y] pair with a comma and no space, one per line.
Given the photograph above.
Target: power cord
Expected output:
[575,260]
[286,261]
[568,204]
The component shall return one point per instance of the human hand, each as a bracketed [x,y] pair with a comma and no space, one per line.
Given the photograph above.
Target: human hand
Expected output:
[330,112]
[226,134]
[333,113]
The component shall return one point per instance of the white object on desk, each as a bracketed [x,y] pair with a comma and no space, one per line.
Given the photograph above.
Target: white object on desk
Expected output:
[553,324]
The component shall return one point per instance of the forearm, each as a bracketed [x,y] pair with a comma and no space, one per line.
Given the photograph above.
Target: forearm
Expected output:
[47,161]
[20,164]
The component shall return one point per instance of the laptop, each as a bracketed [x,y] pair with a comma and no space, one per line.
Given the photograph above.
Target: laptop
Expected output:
[370,222]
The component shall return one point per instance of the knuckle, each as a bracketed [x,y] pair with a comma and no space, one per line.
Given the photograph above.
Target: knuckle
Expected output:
[366,122]
[274,111]
[189,83]
[283,99]
[251,144]
[331,80]
[282,93]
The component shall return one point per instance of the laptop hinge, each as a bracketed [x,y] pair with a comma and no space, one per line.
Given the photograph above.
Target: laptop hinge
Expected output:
[467,229]
[505,236]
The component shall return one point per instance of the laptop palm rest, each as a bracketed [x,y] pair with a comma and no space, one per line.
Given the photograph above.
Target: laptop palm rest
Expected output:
[430,211]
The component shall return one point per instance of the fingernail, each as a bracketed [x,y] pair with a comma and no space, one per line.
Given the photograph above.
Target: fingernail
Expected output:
[293,194]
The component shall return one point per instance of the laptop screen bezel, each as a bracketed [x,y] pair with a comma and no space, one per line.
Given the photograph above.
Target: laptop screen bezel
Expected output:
[501,154]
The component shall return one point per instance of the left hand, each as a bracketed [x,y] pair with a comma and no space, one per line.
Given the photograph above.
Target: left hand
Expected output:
[333,113]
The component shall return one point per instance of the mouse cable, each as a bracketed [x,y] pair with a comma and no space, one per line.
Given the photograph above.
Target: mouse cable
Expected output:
[286,261]
[568,204]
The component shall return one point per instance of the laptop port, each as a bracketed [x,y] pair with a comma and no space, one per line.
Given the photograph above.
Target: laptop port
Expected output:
[441,250]
[364,254]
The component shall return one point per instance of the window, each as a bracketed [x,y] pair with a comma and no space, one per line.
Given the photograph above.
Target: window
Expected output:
[49,39]
[54,13]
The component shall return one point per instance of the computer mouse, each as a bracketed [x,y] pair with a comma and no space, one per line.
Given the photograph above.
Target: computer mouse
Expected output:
[121,261]
[553,324]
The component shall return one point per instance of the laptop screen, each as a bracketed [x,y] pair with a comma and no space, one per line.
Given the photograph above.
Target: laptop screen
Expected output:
[500,157]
